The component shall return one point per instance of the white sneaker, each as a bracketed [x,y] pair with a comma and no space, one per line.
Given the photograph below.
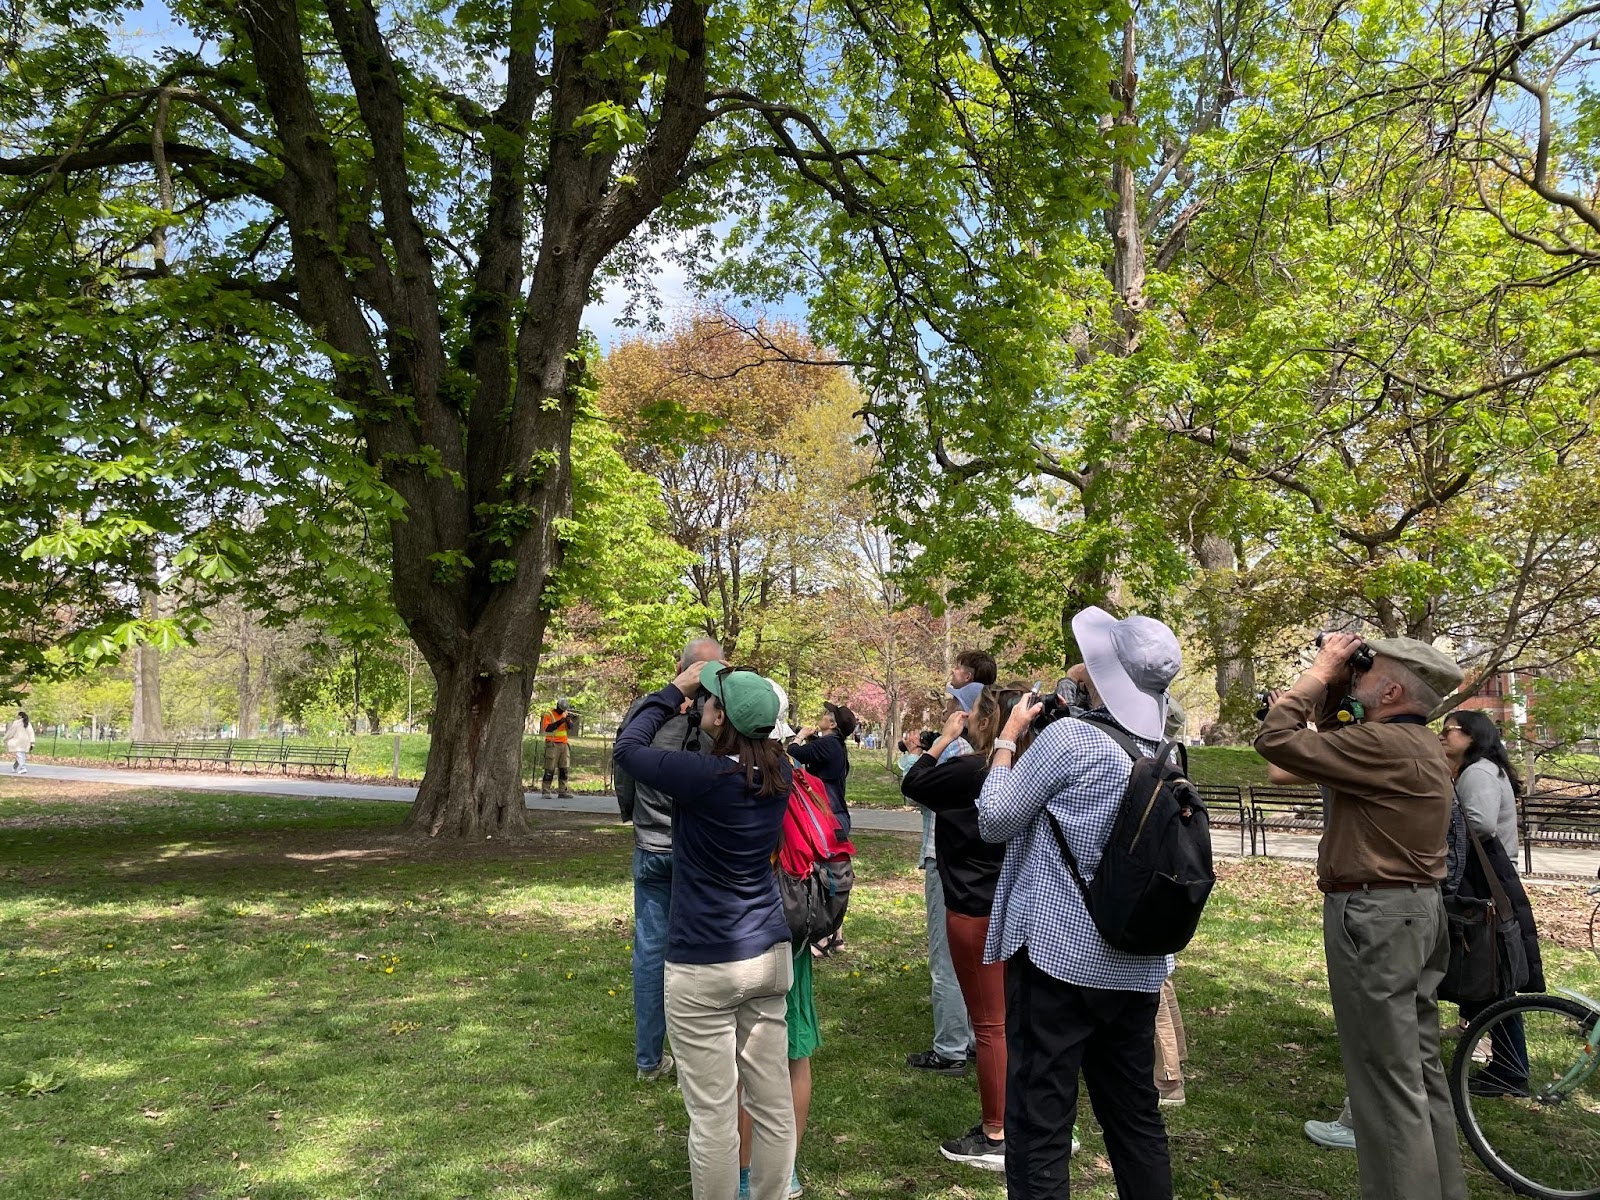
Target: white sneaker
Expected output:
[1331,1134]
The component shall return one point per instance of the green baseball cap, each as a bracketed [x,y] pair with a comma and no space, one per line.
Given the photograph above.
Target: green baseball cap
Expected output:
[747,698]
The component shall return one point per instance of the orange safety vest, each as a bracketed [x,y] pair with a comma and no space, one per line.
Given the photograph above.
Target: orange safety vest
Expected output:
[555,725]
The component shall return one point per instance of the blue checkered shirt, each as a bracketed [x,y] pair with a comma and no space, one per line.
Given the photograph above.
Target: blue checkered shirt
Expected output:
[1079,773]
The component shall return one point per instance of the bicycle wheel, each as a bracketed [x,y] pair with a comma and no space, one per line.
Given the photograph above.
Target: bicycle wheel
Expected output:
[1594,930]
[1533,1115]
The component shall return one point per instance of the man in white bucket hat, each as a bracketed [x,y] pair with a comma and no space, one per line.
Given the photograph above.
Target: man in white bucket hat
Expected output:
[1073,1002]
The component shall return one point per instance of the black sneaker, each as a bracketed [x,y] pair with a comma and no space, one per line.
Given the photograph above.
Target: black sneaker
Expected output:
[1485,1084]
[938,1064]
[976,1149]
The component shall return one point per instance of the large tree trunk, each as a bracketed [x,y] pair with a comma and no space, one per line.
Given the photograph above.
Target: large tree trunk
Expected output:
[1221,618]
[250,688]
[147,723]
[472,787]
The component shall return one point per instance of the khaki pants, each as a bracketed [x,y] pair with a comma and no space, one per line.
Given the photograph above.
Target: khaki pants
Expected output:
[1387,951]
[728,1028]
[557,756]
[1172,1048]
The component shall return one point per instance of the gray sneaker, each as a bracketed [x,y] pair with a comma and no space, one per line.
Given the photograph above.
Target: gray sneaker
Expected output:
[661,1070]
[1332,1134]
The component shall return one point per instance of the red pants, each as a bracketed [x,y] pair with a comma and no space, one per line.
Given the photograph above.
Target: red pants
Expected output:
[984,990]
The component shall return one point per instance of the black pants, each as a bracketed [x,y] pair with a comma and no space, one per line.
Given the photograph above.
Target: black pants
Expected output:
[1054,1030]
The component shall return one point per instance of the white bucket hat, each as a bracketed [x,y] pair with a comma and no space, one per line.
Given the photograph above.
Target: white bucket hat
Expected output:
[1131,662]
[781,731]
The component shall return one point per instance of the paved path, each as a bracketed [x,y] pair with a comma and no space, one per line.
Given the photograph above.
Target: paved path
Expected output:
[1547,860]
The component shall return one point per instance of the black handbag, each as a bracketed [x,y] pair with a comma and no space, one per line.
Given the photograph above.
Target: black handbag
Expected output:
[1487,956]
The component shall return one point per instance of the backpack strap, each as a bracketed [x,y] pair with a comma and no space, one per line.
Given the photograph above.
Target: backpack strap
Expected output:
[1071,859]
[1164,748]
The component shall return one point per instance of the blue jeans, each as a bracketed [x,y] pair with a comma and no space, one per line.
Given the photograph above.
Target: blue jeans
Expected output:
[952,1031]
[652,906]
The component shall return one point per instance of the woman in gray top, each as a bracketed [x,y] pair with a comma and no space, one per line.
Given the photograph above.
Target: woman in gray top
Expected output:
[1486,783]
[1486,794]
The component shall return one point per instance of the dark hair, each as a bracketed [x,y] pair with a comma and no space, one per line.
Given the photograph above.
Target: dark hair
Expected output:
[1487,744]
[754,754]
[981,664]
[1006,699]
[26,724]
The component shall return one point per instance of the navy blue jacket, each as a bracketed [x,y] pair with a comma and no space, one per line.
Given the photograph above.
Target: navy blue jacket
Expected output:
[825,757]
[725,905]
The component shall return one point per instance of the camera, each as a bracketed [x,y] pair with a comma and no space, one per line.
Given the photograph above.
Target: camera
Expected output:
[1361,660]
[1066,700]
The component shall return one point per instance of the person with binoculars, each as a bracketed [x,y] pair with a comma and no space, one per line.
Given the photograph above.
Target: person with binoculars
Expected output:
[1389,789]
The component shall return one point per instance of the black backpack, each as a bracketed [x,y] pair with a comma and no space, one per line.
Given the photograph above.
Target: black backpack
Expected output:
[1155,872]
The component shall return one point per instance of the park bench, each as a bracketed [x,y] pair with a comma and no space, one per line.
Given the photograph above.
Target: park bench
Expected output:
[177,752]
[242,754]
[1557,818]
[1288,809]
[1225,805]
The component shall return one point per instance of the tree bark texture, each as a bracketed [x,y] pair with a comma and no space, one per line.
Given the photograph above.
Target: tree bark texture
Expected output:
[1221,618]
[147,724]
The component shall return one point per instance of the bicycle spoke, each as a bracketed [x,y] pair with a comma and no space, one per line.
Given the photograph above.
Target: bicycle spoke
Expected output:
[1533,1114]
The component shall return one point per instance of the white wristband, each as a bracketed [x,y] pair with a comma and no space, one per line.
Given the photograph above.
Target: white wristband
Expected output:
[1005,744]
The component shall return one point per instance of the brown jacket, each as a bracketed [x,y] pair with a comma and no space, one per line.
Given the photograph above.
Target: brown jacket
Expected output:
[1390,785]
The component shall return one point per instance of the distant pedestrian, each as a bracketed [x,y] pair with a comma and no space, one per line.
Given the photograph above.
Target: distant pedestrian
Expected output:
[19,740]
[556,725]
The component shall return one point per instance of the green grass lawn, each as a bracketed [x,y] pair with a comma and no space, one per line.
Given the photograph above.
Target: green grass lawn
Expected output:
[222,996]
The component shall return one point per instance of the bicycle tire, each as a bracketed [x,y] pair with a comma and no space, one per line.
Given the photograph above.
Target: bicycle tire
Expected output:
[1539,1143]
[1594,931]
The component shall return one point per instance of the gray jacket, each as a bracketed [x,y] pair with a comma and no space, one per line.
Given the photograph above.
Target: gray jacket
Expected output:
[1490,803]
[652,809]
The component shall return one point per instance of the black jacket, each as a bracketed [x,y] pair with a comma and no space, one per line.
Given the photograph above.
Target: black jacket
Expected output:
[827,758]
[969,867]
[1474,884]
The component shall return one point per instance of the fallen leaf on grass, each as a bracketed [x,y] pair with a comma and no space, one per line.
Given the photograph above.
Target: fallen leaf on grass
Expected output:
[152,1113]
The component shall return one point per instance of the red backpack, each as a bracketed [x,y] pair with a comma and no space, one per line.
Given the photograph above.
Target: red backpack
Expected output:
[813,863]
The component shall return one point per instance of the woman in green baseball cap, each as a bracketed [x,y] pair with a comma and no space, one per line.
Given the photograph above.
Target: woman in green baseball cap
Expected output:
[729,965]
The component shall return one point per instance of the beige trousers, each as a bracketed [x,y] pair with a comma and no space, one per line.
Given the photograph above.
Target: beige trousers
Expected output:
[728,1028]
[1172,1048]
[1387,951]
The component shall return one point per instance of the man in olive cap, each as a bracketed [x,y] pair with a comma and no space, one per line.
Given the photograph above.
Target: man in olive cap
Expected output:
[1379,865]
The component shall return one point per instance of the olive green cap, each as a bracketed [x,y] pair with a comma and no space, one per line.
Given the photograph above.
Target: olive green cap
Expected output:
[1434,667]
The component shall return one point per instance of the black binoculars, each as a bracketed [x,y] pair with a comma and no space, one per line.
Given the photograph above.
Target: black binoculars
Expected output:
[1361,660]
